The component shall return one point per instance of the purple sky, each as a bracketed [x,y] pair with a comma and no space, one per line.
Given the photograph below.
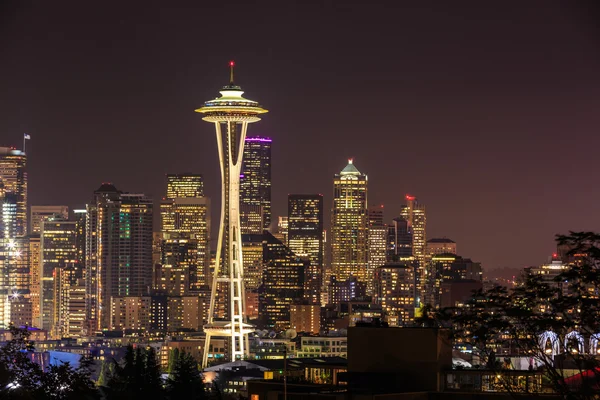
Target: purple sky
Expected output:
[488,112]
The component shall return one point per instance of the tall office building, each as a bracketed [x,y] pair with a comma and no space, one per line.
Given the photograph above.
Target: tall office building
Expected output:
[36,282]
[14,246]
[252,252]
[378,235]
[283,283]
[180,259]
[444,269]
[350,225]
[282,230]
[14,179]
[69,302]
[185,186]
[255,183]
[186,217]
[251,219]
[58,250]
[14,264]
[305,239]
[440,246]
[414,213]
[400,240]
[395,289]
[119,250]
[37,214]
[80,218]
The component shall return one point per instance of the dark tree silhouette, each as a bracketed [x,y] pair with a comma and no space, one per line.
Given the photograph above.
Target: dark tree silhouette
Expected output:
[21,378]
[136,376]
[554,322]
[185,379]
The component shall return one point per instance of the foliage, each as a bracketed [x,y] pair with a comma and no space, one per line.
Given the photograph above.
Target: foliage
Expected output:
[136,376]
[515,320]
[21,378]
[185,379]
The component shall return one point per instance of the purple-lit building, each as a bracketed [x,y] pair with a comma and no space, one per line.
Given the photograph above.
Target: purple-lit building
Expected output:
[255,185]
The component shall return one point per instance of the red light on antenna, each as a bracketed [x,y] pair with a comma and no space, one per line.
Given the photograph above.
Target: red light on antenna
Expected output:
[409,197]
[231,63]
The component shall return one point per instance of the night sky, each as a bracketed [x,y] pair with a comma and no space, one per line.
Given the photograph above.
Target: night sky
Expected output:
[487,111]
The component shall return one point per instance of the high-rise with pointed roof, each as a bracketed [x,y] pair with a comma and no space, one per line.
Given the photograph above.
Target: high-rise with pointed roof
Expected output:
[350,225]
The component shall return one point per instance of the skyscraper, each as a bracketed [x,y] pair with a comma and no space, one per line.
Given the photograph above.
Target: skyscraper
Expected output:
[252,251]
[14,179]
[444,269]
[440,246]
[119,250]
[255,183]
[282,230]
[58,250]
[395,291]
[283,283]
[14,246]
[230,114]
[378,235]
[37,214]
[180,257]
[400,240]
[414,213]
[69,302]
[9,254]
[36,285]
[184,186]
[350,225]
[186,217]
[305,239]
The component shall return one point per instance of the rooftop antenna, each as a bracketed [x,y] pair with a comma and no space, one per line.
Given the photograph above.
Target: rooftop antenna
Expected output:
[25,138]
[231,65]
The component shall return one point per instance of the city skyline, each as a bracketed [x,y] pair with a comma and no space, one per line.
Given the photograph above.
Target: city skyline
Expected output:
[486,124]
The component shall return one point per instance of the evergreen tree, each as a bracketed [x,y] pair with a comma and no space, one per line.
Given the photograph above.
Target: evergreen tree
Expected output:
[136,376]
[153,380]
[173,356]
[185,379]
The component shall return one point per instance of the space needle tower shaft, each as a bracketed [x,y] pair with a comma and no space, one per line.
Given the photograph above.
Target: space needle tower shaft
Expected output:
[231,113]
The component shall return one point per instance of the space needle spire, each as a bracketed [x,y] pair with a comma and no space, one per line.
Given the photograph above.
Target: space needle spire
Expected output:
[231,113]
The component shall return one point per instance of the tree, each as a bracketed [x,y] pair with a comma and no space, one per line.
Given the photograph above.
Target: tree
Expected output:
[153,380]
[21,378]
[185,379]
[545,319]
[136,376]
[173,356]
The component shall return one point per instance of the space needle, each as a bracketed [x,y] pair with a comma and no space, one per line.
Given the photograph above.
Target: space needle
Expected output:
[231,113]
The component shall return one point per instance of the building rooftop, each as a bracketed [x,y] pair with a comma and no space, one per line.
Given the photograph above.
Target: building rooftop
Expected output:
[278,364]
[107,187]
[350,169]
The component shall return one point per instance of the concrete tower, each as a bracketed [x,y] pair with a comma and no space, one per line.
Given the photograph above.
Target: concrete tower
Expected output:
[231,114]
